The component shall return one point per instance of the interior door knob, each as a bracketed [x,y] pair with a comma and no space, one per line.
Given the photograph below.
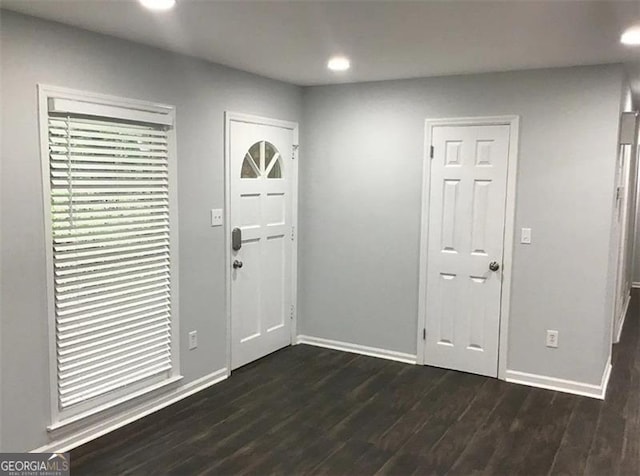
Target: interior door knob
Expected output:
[494,266]
[237,264]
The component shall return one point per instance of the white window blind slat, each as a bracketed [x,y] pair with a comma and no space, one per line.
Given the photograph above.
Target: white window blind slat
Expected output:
[109,183]
[108,252]
[62,243]
[108,200]
[116,384]
[135,145]
[89,165]
[89,230]
[117,341]
[107,174]
[107,152]
[106,369]
[114,338]
[83,361]
[87,335]
[86,327]
[107,381]
[85,355]
[100,209]
[77,159]
[108,313]
[104,126]
[101,193]
[117,273]
[107,304]
[98,298]
[107,222]
[139,251]
[106,135]
[87,286]
[105,288]
[66,219]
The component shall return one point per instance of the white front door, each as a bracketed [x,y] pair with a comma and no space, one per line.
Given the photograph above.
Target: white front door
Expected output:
[468,184]
[261,180]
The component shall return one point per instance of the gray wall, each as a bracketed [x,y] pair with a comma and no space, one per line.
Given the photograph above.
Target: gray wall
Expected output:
[35,51]
[361,174]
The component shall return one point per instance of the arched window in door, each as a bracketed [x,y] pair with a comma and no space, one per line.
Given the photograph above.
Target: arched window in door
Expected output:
[262,160]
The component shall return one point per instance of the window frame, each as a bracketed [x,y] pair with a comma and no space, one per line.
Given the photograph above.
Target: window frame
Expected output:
[107,107]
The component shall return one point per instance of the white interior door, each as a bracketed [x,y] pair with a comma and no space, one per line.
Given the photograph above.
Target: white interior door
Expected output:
[468,184]
[261,193]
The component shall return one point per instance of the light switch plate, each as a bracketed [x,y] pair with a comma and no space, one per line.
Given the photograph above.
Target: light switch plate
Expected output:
[525,236]
[216,217]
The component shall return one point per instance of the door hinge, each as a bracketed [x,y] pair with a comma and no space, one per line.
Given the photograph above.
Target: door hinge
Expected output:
[431,151]
[424,334]
[293,152]
[293,310]
[293,233]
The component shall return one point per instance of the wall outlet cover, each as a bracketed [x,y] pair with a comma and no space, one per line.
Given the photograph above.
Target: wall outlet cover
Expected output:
[193,340]
[552,339]
[216,217]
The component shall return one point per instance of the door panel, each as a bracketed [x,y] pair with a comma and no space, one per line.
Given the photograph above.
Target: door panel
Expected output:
[261,206]
[468,179]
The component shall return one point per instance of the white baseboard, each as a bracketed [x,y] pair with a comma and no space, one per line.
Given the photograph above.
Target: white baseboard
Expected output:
[625,311]
[77,438]
[635,285]
[357,349]
[561,385]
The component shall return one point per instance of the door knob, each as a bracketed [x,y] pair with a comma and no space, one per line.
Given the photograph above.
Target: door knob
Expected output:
[237,264]
[494,266]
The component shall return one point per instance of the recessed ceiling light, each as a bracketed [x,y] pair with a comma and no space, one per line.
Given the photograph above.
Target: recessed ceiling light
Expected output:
[338,63]
[631,36]
[158,4]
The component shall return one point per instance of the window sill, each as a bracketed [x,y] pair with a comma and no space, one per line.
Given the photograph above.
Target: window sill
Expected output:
[107,406]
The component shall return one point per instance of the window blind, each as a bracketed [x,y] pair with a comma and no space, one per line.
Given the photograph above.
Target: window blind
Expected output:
[111,254]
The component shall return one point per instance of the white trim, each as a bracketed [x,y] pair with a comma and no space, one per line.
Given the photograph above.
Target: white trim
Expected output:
[165,115]
[635,285]
[174,247]
[61,97]
[562,385]
[230,116]
[625,311]
[509,229]
[73,106]
[75,419]
[357,349]
[81,436]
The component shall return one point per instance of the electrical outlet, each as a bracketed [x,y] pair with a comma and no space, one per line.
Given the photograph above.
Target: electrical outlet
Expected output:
[193,340]
[552,339]
[525,236]
[216,217]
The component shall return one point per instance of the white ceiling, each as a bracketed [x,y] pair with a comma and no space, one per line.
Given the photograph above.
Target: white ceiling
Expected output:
[292,41]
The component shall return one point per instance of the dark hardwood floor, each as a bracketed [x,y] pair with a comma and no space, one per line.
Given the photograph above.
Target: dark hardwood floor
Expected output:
[307,410]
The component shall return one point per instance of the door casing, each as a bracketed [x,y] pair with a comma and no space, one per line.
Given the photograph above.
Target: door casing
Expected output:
[258,120]
[509,228]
